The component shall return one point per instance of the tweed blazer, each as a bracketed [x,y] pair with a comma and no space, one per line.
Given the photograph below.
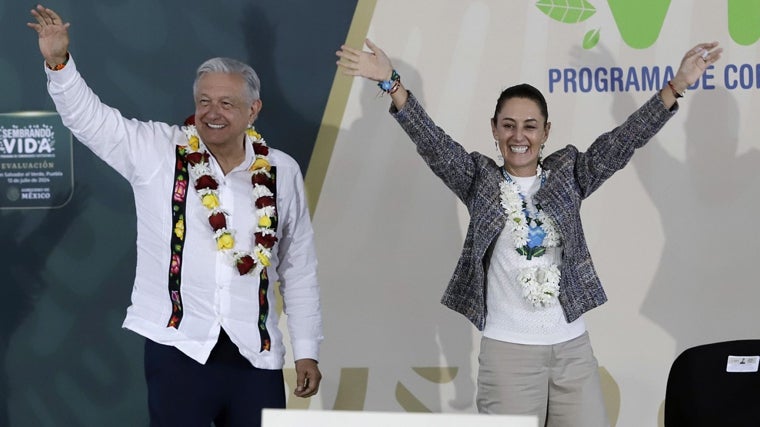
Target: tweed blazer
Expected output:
[572,176]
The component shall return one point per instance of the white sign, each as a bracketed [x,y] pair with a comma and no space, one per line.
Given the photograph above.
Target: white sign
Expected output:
[316,418]
[742,363]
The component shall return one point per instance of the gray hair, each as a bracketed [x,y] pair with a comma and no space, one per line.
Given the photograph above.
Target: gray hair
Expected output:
[230,66]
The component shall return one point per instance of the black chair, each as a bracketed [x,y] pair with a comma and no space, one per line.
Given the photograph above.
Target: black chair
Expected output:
[700,391]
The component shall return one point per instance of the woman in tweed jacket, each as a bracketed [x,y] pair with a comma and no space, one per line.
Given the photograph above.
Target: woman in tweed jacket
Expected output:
[525,275]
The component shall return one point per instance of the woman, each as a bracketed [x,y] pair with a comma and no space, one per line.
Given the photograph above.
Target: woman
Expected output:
[525,276]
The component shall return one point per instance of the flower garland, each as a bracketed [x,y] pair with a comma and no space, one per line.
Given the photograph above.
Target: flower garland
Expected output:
[531,236]
[207,187]
[540,285]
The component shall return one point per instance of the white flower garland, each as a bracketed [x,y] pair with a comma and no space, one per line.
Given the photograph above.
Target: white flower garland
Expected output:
[540,284]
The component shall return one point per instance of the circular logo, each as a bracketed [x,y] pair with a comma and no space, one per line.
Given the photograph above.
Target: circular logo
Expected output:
[12,193]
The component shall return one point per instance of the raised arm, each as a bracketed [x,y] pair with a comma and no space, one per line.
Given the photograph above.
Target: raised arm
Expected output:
[128,146]
[446,158]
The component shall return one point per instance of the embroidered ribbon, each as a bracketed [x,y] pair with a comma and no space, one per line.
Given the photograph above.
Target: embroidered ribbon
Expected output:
[179,203]
[265,339]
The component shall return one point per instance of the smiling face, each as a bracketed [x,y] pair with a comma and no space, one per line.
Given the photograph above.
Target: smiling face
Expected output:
[520,129]
[223,110]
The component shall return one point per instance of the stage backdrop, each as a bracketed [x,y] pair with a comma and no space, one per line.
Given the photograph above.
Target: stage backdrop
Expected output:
[67,270]
[672,235]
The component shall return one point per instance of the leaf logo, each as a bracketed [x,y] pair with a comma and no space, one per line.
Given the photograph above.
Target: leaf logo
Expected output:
[567,12]
[639,21]
[591,39]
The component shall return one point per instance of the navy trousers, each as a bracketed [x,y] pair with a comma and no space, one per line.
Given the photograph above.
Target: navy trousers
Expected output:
[227,391]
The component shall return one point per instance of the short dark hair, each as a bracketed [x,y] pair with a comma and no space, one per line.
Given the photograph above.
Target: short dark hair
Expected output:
[525,91]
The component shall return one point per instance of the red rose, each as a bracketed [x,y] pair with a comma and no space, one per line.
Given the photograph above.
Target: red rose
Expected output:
[260,149]
[261,179]
[264,201]
[217,221]
[245,264]
[190,120]
[265,239]
[205,182]
[194,158]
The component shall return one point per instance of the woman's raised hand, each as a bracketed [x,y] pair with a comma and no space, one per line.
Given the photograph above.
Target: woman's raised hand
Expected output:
[373,65]
[694,64]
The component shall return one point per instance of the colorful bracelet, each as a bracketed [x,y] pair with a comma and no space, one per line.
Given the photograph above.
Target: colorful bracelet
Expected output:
[58,67]
[676,93]
[390,85]
[395,87]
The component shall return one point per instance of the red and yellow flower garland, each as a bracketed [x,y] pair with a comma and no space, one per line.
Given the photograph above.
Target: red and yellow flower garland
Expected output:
[207,187]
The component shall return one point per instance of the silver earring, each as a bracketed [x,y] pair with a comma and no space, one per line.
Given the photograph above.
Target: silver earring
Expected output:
[499,157]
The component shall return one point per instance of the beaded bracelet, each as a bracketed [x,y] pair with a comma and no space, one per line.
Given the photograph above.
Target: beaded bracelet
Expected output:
[60,66]
[390,85]
[676,93]
[395,87]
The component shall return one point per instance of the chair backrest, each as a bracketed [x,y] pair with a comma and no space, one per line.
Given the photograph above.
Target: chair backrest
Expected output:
[715,384]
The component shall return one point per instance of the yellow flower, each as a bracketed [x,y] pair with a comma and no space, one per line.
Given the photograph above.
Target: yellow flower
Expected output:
[252,133]
[261,163]
[194,142]
[210,201]
[265,222]
[263,259]
[179,229]
[225,241]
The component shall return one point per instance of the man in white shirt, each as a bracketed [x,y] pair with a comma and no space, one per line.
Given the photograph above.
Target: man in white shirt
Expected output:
[221,217]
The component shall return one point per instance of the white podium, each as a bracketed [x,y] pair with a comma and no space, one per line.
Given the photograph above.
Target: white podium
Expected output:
[318,418]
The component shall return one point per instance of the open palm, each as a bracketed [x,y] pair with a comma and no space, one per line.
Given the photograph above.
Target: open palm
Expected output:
[53,34]
[373,65]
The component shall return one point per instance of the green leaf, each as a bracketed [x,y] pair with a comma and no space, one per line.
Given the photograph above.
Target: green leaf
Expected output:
[538,251]
[566,11]
[591,39]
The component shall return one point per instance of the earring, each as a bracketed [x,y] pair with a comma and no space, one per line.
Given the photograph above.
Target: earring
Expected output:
[499,157]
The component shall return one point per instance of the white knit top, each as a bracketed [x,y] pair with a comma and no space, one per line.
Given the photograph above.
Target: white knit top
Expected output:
[510,316]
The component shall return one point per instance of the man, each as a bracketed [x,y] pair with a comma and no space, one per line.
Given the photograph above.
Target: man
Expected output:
[221,217]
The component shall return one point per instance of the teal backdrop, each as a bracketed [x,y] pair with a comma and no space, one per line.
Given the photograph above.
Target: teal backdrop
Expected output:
[67,273]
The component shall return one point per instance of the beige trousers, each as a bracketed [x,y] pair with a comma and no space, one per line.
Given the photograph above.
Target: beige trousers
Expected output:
[559,383]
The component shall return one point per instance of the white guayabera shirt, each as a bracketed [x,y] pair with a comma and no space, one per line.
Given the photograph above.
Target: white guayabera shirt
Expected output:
[213,293]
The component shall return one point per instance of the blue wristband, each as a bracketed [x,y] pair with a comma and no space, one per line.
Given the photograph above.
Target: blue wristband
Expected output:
[387,85]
